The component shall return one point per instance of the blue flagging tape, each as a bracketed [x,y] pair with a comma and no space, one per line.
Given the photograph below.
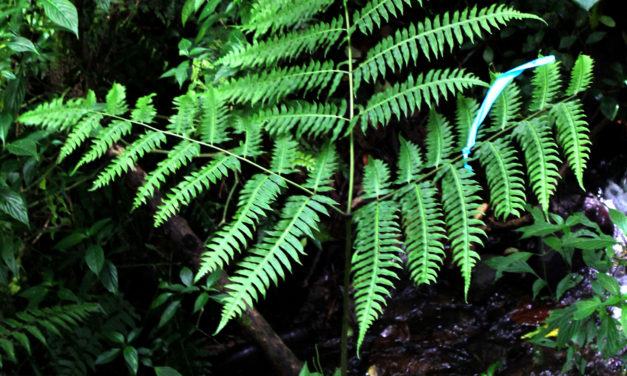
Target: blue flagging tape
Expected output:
[497,87]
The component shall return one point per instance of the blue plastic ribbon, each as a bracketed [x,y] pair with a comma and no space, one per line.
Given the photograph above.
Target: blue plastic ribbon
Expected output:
[497,87]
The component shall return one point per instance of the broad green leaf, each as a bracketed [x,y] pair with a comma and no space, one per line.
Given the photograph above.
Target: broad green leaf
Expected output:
[538,285]
[585,308]
[169,312]
[109,277]
[623,318]
[5,125]
[619,219]
[166,371]
[132,359]
[23,147]
[200,302]
[571,280]
[609,283]
[61,12]
[187,276]
[94,257]
[514,263]
[21,44]
[12,204]
[107,356]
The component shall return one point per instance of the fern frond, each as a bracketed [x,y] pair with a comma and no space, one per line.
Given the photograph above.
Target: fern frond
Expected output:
[404,98]
[433,36]
[214,121]
[439,139]
[581,75]
[276,84]
[277,15]
[56,115]
[504,175]
[464,115]
[313,119]
[79,133]
[104,140]
[144,111]
[179,156]
[541,159]
[269,261]
[33,321]
[325,166]
[506,108]
[369,17]
[460,203]
[376,248]
[284,155]
[423,226]
[254,202]
[409,161]
[116,100]
[187,108]
[127,158]
[284,47]
[193,184]
[250,146]
[546,83]
[572,135]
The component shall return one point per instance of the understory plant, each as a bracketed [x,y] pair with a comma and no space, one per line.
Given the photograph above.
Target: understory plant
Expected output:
[598,322]
[278,112]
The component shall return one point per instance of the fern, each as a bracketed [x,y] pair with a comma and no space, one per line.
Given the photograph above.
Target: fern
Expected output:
[56,115]
[254,202]
[187,108]
[302,118]
[179,156]
[371,14]
[506,107]
[572,135]
[546,83]
[465,114]
[127,158]
[284,47]
[439,139]
[193,184]
[284,155]
[79,134]
[581,75]
[504,174]
[276,15]
[106,137]
[376,248]
[402,99]
[278,83]
[213,124]
[433,36]
[460,203]
[35,322]
[541,158]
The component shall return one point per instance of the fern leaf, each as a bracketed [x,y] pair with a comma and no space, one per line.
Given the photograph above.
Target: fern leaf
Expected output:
[424,231]
[187,108]
[325,166]
[250,146]
[581,75]
[546,86]
[284,47]
[284,155]
[313,119]
[541,158]
[439,139]
[144,111]
[277,15]
[116,100]
[572,135]
[369,17]
[269,261]
[213,123]
[179,156]
[193,184]
[433,36]
[376,249]
[504,175]
[56,115]
[465,114]
[278,83]
[409,161]
[402,99]
[148,141]
[254,204]
[506,108]
[79,133]
[104,140]
[460,203]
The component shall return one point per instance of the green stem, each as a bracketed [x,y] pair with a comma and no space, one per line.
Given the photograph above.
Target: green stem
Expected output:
[348,213]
